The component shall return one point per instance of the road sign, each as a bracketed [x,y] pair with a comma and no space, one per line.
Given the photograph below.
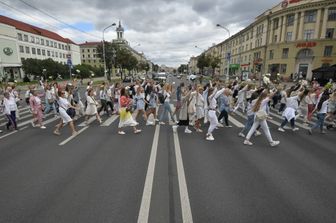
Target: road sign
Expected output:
[69,62]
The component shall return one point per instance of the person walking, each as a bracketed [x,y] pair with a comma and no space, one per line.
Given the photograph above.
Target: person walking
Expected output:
[10,108]
[125,118]
[259,106]
[91,108]
[200,104]
[224,107]
[139,103]
[49,101]
[186,98]
[152,107]
[103,101]
[37,110]
[213,94]
[64,105]
[321,109]
[167,90]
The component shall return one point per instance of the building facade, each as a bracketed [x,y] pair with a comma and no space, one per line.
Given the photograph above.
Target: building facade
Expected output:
[88,52]
[19,40]
[294,37]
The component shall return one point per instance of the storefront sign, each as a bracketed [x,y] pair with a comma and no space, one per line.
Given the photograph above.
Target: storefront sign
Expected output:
[306,45]
[8,51]
[285,3]
[326,60]
[245,65]
[234,66]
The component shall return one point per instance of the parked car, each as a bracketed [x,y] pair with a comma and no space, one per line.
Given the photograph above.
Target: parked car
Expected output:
[192,77]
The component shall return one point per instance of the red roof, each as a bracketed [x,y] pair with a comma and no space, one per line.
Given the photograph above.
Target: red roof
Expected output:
[90,43]
[33,29]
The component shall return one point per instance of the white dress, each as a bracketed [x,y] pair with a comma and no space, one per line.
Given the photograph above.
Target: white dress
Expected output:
[63,106]
[91,108]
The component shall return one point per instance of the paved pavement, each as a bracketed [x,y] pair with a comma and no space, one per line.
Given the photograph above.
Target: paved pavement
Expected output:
[161,176]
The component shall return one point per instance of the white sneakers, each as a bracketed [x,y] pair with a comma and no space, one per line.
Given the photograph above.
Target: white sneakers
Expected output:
[137,131]
[241,135]
[43,127]
[247,142]
[275,143]
[281,129]
[121,133]
[220,125]
[150,123]
[257,133]
[210,137]
[295,129]
[188,131]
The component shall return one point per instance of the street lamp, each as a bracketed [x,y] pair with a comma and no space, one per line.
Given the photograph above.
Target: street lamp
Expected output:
[113,24]
[229,53]
[199,48]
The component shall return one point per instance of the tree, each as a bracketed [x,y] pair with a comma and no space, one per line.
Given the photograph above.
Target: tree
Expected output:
[156,68]
[214,63]
[182,68]
[143,66]
[203,61]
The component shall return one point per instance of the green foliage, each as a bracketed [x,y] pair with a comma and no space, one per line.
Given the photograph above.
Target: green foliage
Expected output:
[203,61]
[182,68]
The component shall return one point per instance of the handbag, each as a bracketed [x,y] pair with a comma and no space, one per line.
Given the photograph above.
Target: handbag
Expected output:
[71,112]
[261,115]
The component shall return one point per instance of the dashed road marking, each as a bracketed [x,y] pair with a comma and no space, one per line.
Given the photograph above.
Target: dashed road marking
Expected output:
[73,136]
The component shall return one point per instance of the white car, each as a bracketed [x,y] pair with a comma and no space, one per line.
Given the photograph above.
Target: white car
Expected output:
[192,77]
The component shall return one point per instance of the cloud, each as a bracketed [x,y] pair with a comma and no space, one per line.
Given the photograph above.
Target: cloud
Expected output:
[167,30]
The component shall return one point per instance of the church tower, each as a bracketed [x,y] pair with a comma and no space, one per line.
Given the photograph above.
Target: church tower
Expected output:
[120,32]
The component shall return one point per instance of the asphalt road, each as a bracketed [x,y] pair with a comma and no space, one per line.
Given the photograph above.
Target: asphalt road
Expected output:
[100,176]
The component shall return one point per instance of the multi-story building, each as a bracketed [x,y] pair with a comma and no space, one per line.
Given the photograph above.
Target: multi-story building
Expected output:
[19,40]
[295,36]
[192,65]
[88,52]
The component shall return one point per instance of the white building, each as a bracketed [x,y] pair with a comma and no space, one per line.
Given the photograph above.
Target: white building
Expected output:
[19,40]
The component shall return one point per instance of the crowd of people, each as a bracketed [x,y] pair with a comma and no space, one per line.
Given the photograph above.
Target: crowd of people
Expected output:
[195,105]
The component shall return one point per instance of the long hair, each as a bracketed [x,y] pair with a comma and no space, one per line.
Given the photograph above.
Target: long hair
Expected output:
[324,97]
[261,97]
[210,91]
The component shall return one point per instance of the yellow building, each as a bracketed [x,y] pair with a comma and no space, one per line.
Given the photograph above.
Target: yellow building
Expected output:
[88,51]
[295,36]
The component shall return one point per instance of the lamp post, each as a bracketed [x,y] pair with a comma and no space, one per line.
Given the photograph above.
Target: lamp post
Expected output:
[229,53]
[200,48]
[113,24]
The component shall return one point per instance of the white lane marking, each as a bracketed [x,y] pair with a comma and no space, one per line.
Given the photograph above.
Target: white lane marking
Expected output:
[17,119]
[72,137]
[296,123]
[110,120]
[29,121]
[236,122]
[147,193]
[185,203]
[51,120]
[8,134]
[89,121]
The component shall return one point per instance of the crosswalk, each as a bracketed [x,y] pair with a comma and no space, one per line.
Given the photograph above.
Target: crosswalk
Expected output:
[26,118]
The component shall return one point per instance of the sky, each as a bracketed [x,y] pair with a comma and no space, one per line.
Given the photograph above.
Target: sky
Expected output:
[166,31]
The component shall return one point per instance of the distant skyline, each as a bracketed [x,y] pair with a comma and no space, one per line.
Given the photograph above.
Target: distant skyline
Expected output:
[167,30]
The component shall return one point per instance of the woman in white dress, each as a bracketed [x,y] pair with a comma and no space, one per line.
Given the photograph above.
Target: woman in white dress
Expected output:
[91,108]
[65,118]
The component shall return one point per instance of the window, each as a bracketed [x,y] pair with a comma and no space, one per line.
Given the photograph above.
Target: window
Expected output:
[94,61]
[51,43]
[88,50]
[33,50]
[276,23]
[47,42]
[62,46]
[309,34]
[290,20]
[330,33]
[289,36]
[38,51]
[59,46]
[42,41]
[285,52]
[251,45]
[94,55]
[332,14]
[52,53]
[25,38]
[88,55]
[20,36]
[83,61]
[32,39]
[37,40]
[283,68]
[43,52]
[69,48]
[55,44]
[271,54]
[247,36]
[94,50]
[310,16]
[21,49]
[82,50]
[27,49]
[56,54]
[48,53]
[89,61]
[63,55]
[328,51]
[66,48]
[275,39]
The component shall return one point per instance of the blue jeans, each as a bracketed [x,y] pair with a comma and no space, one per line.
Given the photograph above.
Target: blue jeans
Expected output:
[166,110]
[248,124]
[49,106]
[320,121]
[11,120]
